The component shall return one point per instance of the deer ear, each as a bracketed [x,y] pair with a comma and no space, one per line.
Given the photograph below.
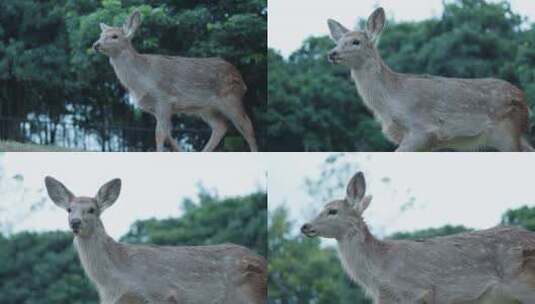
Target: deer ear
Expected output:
[104,27]
[337,30]
[58,193]
[108,194]
[356,189]
[376,24]
[363,204]
[132,23]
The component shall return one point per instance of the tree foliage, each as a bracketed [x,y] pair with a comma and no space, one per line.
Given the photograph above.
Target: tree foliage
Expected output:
[44,267]
[314,106]
[48,71]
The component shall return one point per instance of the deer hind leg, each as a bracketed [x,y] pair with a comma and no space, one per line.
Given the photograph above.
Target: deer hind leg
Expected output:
[219,127]
[233,109]
[252,282]
[525,146]
[162,128]
[505,137]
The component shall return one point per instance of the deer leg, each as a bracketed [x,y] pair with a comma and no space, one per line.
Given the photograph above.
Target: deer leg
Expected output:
[174,144]
[233,109]
[162,129]
[525,146]
[130,298]
[219,127]
[415,142]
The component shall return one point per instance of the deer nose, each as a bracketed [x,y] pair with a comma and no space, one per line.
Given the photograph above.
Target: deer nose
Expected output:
[332,56]
[75,224]
[96,46]
[305,228]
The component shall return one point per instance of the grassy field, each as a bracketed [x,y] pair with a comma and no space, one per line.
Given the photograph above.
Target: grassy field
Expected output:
[12,146]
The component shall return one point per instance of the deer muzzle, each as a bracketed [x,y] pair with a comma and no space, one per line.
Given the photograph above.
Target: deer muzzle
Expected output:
[96,46]
[333,56]
[75,225]
[307,230]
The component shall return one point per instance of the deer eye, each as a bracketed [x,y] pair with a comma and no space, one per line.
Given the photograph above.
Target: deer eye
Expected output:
[332,212]
[356,42]
[91,210]
[114,37]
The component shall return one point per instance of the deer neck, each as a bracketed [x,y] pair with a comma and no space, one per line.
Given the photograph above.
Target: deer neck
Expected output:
[361,255]
[126,65]
[374,80]
[99,255]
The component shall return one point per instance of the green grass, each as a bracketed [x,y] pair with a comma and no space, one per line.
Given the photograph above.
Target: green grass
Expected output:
[13,146]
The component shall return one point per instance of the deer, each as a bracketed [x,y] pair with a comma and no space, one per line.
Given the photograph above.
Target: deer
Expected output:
[147,274]
[210,88]
[430,113]
[496,265]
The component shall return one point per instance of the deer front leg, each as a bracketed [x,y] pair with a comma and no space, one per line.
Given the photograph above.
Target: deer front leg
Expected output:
[428,297]
[415,142]
[163,130]
[130,298]
[161,134]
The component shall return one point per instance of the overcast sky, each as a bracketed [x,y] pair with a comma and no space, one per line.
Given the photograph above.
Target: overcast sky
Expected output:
[292,21]
[154,184]
[471,189]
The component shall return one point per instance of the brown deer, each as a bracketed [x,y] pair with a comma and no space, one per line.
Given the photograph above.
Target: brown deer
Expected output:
[210,88]
[484,267]
[132,274]
[425,113]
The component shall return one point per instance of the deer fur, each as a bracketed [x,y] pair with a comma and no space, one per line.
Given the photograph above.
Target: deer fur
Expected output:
[423,112]
[147,274]
[210,88]
[493,266]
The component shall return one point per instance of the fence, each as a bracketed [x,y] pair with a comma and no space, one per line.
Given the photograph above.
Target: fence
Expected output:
[89,137]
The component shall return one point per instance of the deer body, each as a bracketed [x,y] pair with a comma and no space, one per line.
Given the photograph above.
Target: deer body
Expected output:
[485,267]
[422,112]
[131,274]
[466,268]
[210,88]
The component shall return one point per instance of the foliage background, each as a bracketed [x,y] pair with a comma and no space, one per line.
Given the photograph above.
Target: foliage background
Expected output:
[314,106]
[50,74]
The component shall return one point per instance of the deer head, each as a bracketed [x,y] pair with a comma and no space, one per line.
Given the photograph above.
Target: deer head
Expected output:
[115,39]
[355,48]
[84,212]
[338,217]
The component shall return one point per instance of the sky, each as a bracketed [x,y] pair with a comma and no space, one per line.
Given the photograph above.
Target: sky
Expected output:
[470,189]
[153,185]
[291,22]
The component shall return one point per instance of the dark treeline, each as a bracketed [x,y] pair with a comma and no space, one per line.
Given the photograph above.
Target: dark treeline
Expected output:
[44,267]
[314,106]
[301,271]
[66,94]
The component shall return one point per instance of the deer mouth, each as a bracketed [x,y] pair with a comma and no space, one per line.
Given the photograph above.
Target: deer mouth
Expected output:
[309,231]
[334,58]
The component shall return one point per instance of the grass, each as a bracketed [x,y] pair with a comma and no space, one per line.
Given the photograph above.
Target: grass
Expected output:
[13,146]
